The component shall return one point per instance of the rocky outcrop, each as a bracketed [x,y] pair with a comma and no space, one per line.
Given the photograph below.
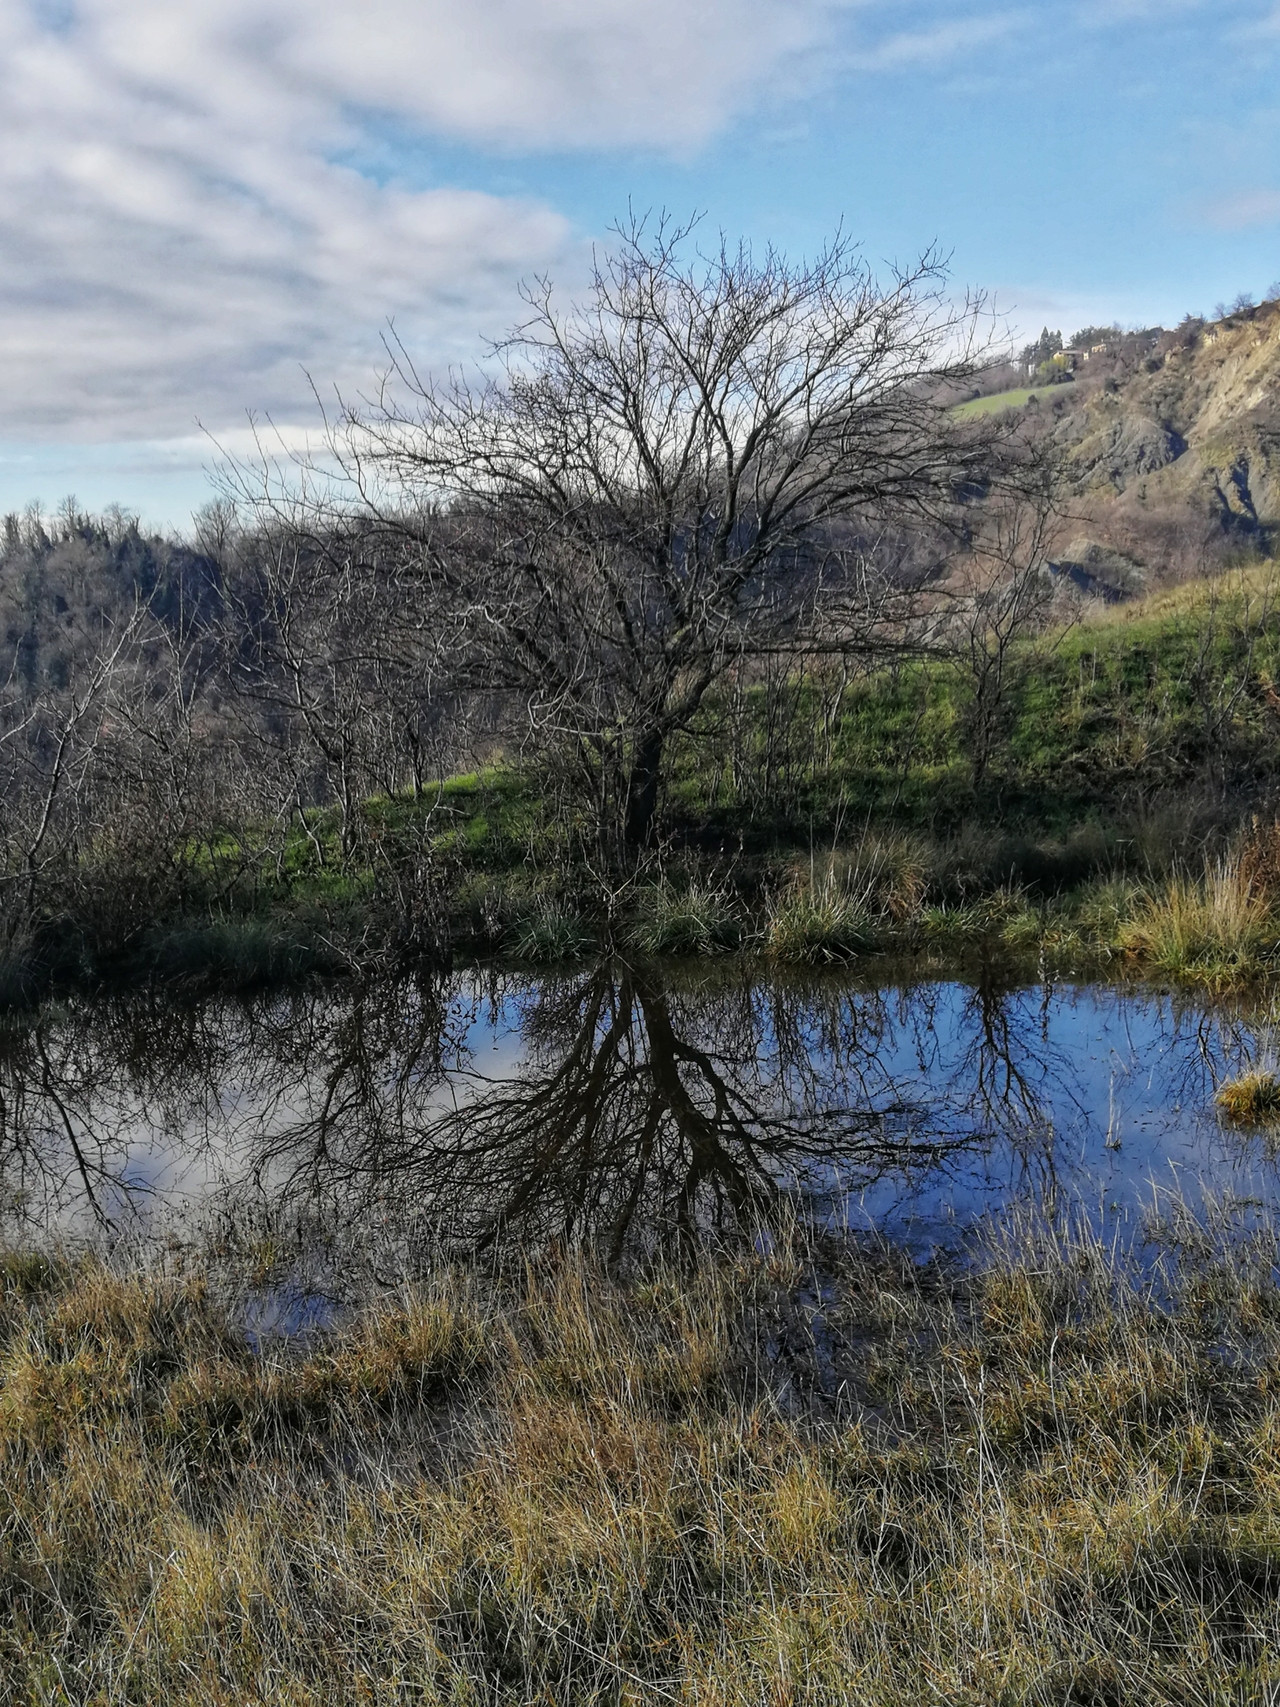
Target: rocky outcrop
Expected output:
[1124,446]
[1099,570]
[1182,442]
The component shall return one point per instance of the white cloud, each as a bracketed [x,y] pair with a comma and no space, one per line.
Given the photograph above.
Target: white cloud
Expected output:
[177,239]
[1243,210]
[937,43]
[531,72]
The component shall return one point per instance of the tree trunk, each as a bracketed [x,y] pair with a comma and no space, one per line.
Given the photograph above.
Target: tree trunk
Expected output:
[642,787]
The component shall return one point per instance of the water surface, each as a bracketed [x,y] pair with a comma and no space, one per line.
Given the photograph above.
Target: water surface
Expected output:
[622,1106]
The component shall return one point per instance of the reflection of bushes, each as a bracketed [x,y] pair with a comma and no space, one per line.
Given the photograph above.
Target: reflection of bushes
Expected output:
[1043,1481]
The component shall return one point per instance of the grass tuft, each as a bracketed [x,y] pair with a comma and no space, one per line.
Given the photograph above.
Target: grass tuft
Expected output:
[1216,928]
[694,920]
[820,922]
[1251,1100]
[551,932]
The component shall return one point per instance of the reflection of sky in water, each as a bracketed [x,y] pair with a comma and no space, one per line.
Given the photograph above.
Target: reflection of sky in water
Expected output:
[1106,1106]
[1059,1097]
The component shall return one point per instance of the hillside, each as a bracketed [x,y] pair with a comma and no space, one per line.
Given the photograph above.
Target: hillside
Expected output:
[1171,450]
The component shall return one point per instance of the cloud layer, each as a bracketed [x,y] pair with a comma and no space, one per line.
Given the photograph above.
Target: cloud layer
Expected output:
[178,236]
[182,230]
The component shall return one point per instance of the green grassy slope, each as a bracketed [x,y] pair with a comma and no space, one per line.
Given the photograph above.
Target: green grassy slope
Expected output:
[1175,692]
[1016,399]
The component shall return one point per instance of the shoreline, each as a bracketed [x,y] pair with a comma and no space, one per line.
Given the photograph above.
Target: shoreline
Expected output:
[1217,931]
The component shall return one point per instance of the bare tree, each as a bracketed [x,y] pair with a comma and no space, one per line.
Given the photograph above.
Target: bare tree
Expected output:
[1004,593]
[682,471]
[333,687]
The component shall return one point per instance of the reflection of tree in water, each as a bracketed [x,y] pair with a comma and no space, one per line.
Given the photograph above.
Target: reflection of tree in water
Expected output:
[87,1088]
[76,1080]
[643,1109]
[639,1108]
[640,1111]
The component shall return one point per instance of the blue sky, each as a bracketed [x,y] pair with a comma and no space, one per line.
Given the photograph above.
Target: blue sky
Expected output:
[202,205]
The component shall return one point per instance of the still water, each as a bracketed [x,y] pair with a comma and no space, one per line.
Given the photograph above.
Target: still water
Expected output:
[624,1107]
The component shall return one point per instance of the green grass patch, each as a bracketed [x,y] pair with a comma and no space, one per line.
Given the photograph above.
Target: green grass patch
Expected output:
[1000,401]
[1175,694]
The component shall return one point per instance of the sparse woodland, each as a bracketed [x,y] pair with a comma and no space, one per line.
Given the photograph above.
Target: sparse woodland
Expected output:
[706,577]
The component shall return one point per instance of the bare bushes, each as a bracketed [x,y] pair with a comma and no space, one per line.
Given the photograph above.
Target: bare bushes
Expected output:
[111,802]
[1003,594]
[169,776]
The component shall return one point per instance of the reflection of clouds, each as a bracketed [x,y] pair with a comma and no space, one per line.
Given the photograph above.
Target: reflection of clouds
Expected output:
[617,1105]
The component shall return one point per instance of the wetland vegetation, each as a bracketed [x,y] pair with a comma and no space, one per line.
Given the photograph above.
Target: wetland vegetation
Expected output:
[628,1334]
[1051,1480]
[637,1047]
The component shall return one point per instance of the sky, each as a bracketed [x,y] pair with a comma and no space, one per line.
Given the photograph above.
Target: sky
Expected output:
[211,211]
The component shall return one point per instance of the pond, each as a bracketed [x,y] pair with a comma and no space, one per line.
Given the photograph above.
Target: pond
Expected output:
[626,1107]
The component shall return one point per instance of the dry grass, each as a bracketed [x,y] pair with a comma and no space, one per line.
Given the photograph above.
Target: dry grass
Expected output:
[1240,594]
[1216,928]
[1039,1486]
[1251,1100]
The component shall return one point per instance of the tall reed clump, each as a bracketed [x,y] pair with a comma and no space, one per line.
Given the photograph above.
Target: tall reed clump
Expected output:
[1212,929]
[1041,1483]
[695,918]
[827,913]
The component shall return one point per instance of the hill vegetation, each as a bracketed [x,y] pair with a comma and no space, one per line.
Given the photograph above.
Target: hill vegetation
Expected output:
[1167,439]
[727,621]
[1015,663]
[809,815]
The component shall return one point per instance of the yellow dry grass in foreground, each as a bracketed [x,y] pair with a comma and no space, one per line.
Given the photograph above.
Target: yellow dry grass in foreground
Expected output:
[1036,1487]
[1251,1100]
